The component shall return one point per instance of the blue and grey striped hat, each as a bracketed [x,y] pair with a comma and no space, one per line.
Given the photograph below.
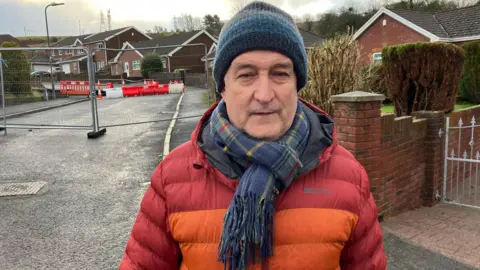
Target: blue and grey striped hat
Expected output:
[260,26]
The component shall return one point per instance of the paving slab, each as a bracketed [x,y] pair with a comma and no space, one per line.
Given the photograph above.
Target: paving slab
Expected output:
[450,230]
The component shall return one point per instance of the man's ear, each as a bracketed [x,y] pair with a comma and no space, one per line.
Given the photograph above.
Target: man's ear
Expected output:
[222,93]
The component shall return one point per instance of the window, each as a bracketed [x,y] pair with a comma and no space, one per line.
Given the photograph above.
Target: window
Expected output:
[99,45]
[136,65]
[100,66]
[377,58]
[60,52]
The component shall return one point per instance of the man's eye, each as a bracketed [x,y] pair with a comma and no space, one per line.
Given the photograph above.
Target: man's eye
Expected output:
[281,74]
[246,75]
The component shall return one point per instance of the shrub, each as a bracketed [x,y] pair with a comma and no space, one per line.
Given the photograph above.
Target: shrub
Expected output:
[470,83]
[332,69]
[16,71]
[151,63]
[373,80]
[423,76]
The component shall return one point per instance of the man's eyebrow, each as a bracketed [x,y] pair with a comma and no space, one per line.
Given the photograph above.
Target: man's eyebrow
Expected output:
[240,66]
[286,65]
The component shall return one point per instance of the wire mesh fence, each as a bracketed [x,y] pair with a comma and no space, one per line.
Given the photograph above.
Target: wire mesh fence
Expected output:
[31,82]
[128,86]
[149,80]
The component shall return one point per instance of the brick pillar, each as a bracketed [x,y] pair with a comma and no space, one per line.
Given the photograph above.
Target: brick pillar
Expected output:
[434,155]
[358,126]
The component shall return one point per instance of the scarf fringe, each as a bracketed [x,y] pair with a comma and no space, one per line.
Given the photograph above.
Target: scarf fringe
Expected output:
[247,231]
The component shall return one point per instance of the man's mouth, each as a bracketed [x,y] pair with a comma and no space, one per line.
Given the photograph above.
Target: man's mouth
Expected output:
[263,113]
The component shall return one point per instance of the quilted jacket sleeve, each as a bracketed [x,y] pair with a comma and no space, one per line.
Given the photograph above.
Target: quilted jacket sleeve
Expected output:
[365,249]
[151,245]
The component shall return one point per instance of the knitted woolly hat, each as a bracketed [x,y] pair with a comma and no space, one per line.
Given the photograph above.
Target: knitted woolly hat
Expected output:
[260,26]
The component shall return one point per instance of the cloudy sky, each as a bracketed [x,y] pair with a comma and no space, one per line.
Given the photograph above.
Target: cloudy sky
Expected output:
[18,17]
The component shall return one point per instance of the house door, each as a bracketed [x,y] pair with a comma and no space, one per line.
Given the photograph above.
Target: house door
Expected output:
[126,69]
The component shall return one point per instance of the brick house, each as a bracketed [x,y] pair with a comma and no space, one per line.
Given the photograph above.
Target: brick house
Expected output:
[74,60]
[393,27]
[309,39]
[174,57]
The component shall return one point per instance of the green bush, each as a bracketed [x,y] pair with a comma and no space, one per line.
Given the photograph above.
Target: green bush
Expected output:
[151,63]
[470,82]
[16,71]
[423,76]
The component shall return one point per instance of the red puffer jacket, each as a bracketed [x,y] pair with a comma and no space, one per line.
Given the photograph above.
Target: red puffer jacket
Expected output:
[326,219]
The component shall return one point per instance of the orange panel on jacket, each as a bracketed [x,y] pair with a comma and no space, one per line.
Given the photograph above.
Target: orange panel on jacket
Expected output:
[304,238]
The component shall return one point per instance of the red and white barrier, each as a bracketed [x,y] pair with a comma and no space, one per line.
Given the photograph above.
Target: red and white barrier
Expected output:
[149,88]
[75,88]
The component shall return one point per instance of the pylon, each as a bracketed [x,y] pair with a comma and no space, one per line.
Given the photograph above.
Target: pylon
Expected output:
[99,96]
[123,83]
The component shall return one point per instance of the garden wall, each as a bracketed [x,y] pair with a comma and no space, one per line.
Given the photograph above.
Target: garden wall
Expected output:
[403,156]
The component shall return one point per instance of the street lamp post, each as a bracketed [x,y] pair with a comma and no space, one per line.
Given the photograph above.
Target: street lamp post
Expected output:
[53,4]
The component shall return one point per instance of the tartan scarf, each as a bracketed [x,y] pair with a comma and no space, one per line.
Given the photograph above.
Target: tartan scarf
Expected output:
[248,223]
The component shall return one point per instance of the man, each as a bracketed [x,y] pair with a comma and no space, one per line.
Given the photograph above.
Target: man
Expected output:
[263,183]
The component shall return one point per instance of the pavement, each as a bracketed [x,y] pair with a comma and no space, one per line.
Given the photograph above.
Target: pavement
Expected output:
[450,230]
[192,106]
[83,217]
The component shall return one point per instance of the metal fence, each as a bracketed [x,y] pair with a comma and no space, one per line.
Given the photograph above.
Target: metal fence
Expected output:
[28,84]
[41,75]
[461,183]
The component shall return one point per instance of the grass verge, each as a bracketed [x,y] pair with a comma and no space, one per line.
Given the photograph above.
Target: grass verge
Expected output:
[389,108]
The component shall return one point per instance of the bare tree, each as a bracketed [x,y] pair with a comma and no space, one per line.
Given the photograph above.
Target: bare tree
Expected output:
[237,5]
[308,22]
[186,22]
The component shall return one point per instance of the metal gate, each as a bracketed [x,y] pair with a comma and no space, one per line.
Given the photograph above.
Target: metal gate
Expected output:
[461,183]
[16,83]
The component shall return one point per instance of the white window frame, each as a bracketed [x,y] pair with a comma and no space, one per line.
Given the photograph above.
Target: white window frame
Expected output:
[99,45]
[136,62]
[376,57]
[60,52]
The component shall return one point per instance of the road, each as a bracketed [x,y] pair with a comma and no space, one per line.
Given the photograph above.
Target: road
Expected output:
[83,218]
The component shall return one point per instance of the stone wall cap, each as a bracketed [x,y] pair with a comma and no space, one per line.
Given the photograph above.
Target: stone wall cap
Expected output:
[358,96]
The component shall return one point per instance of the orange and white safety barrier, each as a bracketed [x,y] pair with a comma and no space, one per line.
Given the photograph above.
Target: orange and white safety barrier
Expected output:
[150,87]
[75,88]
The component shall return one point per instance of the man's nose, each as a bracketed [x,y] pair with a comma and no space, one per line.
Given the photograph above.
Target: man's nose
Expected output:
[264,92]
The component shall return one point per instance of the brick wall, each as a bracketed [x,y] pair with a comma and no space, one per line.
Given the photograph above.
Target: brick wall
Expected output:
[378,36]
[402,163]
[404,156]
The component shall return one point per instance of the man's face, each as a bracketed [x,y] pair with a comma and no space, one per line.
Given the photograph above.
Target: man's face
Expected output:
[261,94]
